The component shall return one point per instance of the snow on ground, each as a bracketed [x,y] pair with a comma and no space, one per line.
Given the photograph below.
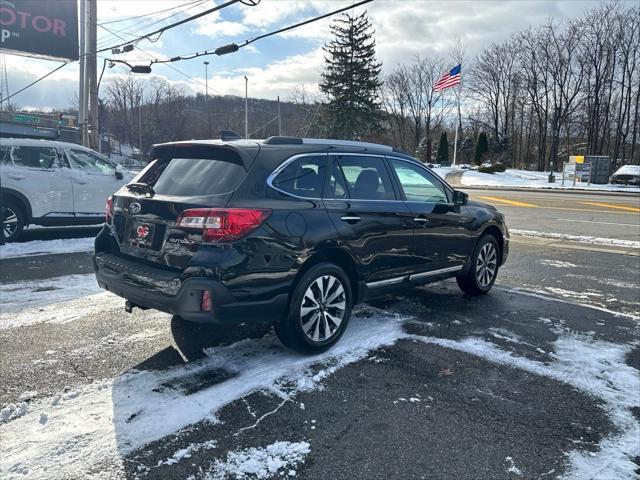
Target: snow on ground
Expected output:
[59,312]
[527,179]
[261,463]
[37,293]
[595,367]
[100,423]
[46,247]
[612,242]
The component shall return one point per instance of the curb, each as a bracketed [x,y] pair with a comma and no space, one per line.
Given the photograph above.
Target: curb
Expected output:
[460,186]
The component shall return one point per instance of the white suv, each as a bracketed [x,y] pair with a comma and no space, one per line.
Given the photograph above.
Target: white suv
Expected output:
[54,183]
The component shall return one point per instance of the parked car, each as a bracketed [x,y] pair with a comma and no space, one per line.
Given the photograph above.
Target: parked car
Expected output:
[464,166]
[289,231]
[54,183]
[627,175]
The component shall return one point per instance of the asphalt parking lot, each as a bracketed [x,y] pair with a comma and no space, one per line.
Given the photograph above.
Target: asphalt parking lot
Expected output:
[538,379]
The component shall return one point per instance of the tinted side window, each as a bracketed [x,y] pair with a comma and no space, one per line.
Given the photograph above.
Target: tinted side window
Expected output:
[302,177]
[337,186]
[418,184]
[366,178]
[35,157]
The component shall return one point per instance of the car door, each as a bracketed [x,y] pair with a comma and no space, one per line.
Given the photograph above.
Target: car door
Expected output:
[38,173]
[94,180]
[376,226]
[442,235]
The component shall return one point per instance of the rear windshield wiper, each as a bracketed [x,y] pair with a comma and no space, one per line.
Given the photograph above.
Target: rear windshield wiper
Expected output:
[141,188]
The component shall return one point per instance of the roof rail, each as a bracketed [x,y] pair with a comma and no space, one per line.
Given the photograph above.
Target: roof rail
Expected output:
[345,143]
[280,140]
[276,140]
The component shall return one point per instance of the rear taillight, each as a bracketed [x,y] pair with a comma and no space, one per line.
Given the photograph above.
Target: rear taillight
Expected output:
[222,224]
[108,210]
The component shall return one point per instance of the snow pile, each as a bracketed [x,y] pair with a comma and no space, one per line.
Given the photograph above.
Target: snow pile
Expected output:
[46,247]
[527,179]
[13,411]
[260,463]
[36,293]
[612,242]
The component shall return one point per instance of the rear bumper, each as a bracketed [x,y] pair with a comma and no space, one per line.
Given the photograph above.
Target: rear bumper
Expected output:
[165,291]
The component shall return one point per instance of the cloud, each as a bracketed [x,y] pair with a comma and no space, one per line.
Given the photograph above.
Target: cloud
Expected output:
[403,29]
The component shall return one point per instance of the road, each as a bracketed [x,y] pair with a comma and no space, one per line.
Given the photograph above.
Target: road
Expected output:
[609,216]
[538,379]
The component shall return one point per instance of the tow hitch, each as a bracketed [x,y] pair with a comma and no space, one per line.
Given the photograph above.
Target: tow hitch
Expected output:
[129,306]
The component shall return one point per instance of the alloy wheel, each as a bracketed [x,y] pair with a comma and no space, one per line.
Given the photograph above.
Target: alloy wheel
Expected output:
[323,308]
[486,265]
[10,222]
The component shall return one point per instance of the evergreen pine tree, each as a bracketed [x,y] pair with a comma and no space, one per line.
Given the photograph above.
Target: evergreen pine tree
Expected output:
[482,146]
[351,79]
[443,149]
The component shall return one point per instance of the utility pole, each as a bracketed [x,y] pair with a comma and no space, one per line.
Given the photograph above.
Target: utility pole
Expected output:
[279,119]
[246,107]
[92,69]
[82,103]
[206,97]
[140,129]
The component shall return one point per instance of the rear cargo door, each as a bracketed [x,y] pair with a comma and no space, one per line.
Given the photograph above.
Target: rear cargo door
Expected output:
[178,179]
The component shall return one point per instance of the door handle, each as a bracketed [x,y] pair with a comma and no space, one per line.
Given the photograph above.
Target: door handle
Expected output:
[421,220]
[15,176]
[350,218]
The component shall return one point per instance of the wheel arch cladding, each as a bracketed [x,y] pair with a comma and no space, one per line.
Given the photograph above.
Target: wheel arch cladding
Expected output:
[497,234]
[338,257]
[20,199]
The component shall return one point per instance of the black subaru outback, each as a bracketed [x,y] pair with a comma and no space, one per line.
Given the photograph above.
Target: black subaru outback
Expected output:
[289,231]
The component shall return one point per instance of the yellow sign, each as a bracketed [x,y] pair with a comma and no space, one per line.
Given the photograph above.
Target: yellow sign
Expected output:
[576,159]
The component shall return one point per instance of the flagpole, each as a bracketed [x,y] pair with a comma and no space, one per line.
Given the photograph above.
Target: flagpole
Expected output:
[455,141]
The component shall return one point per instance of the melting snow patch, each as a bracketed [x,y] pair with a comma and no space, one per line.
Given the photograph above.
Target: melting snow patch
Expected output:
[260,463]
[101,423]
[188,451]
[29,294]
[595,367]
[612,242]
[558,263]
[46,247]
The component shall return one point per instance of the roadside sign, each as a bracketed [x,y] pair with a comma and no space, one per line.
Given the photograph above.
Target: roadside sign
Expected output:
[39,28]
[576,172]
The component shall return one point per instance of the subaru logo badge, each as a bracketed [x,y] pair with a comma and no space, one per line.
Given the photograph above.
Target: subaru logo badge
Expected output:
[135,208]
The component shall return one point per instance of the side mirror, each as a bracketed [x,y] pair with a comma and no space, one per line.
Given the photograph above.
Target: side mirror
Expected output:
[118,171]
[460,198]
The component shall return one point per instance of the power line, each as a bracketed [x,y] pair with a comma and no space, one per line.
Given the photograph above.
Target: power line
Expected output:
[151,13]
[135,28]
[170,66]
[235,47]
[160,31]
[34,82]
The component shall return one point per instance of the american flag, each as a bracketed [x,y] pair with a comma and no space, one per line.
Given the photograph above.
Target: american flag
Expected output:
[449,79]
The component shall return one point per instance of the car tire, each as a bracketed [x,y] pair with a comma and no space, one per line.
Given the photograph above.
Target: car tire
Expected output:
[14,220]
[483,267]
[319,310]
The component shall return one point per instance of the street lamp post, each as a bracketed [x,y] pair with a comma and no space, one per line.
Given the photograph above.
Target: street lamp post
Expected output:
[206,97]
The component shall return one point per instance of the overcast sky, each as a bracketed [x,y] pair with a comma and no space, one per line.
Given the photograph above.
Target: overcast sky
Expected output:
[277,64]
